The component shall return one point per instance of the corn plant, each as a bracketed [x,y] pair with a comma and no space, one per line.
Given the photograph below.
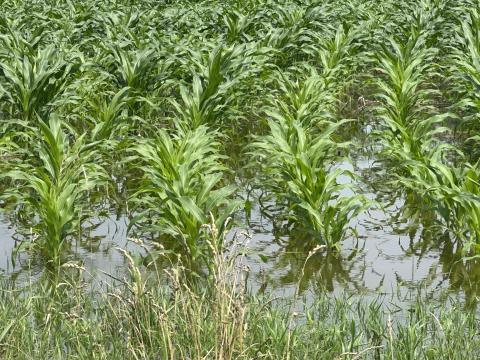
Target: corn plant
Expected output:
[339,55]
[410,127]
[213,87]
[466,74]
[453,193]
[182,186]
[237,25]
[134,68]
[54,188]
[308,183]
[410,139]
[106,116]
[300,149]
[109,126]
[16,41]
[288,36]
[307,100]
[33,82]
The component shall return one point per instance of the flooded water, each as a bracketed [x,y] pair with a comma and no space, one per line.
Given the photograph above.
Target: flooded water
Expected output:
[381,260]
[387,257]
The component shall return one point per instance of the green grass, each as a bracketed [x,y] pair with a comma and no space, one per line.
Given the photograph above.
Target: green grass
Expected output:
[219,319]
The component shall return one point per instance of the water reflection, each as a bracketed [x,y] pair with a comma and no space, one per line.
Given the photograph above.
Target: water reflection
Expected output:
[463,275]
[321,271]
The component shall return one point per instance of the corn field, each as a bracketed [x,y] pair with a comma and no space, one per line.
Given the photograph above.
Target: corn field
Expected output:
[183,116]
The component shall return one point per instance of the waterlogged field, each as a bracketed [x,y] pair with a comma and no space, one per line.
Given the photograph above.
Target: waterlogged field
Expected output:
[240,179]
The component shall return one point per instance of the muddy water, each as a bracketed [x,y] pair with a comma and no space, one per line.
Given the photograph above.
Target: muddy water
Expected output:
[385,258]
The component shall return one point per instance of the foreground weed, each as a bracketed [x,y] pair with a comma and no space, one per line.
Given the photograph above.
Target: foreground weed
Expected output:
[219,319]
